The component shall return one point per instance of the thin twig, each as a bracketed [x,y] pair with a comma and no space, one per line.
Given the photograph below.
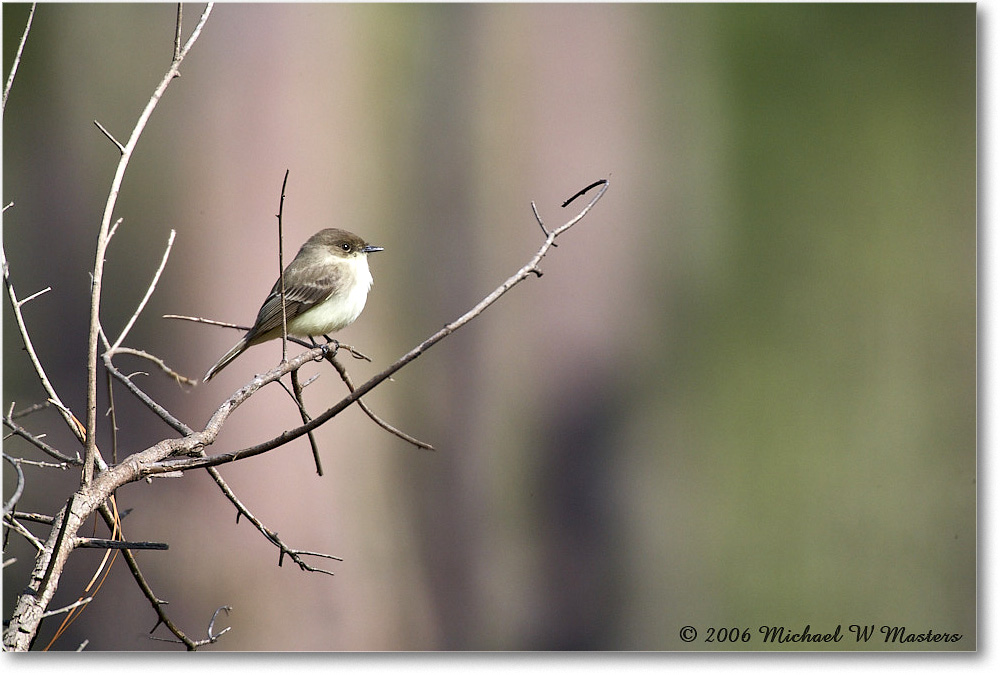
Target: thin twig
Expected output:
[30,348]
[602,181]
[192,645]
[178,31]
[41,465]
[297,396]
[114,415]
[29,410]
[8,506]
[37,441]
[114,228]
[121,148]
[34,295]
[32,517]
[212,635]
[24,532]
[17,59]
[271,536]
[281,280]
[149,292]
[181,379]
[92,542]
[211,322]
[368,411]
[534,209]
[67,608]
[162,412]
[157,604]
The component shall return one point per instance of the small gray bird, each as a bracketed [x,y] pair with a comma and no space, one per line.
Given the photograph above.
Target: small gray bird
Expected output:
[326,287]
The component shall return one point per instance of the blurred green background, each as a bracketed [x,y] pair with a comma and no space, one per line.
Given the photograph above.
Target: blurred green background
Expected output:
[743,394]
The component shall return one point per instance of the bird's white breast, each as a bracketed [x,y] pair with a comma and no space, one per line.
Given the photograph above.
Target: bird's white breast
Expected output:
[341,309]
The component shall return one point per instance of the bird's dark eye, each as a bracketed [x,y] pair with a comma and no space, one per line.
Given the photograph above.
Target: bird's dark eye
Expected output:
[346,246]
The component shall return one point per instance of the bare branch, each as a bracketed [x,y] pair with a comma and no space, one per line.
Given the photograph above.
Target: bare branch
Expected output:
[368,411]
[297,396]
[18,488]
[17,59]
[37,441]
[534,209]
[23,531]
[31,297]
[29,410]
[67,608]
[281,281]
[114,228]
[177,31]
[211,322]
[41,465]
[157,604]
[30,348]
[102,244]
[181,379]
[113,412]
[92,542]
[212,638]
[212,635]
[121,148]
[241,509]
[602,181]
[149,292]
[162,412]
[271,536]
[32,517]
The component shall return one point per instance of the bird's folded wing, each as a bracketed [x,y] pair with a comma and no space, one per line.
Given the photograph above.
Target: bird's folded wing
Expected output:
[300,296]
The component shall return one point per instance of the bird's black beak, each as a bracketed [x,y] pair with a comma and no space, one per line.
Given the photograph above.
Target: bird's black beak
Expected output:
[372,249]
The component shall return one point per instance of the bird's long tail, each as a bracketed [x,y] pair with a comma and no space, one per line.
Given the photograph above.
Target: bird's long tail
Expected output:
[237,349]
